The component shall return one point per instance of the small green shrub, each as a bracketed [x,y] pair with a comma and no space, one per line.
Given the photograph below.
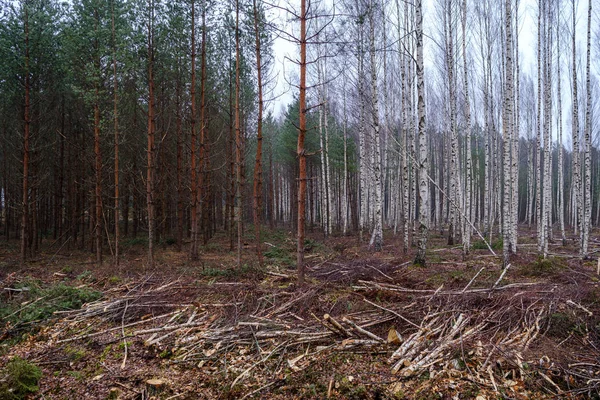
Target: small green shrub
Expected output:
[543,266]
[279,255]
[36,303]
[495,245]
[245,270]
[19,379]
[136,241]
[276,252]
[310,244]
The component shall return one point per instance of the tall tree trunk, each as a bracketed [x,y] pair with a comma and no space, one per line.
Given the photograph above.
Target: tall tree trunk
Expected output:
[257,209]
[238,138]
[561,184]
[469,177]
[194,140]
[180,187]
[515,140]
[576,182]
[454,157]
[116,129]
[300,148]
[423,157]
[202,184]
[587,214]
[151,130]
[547,189]
[345,177]
[362,153]
[538,186]
[98,172]
[507,124]
[377,236]
[27,122]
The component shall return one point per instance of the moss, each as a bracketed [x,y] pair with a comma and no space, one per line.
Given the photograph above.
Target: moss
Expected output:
[21,379]
[75,354]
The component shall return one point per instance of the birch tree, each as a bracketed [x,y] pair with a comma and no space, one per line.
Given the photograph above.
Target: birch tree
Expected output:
[587,213]
[507,117]
[377,235]
[576,185]
[420,258]
[466,230]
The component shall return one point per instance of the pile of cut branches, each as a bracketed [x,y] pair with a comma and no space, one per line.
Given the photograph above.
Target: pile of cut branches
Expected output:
[482,335]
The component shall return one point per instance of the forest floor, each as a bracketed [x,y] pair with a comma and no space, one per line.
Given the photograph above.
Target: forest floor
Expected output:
[367,325]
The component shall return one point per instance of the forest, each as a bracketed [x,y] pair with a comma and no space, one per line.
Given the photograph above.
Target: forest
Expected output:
[299,198]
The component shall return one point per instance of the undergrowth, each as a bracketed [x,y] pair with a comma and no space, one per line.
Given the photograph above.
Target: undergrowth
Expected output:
[495,245]
[543,267]
[19,379]
[30,303]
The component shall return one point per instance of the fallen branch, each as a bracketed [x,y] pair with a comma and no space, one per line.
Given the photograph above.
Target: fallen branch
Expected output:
[392,312]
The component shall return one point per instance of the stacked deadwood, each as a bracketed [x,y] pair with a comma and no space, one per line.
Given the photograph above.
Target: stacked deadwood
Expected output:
[481,334]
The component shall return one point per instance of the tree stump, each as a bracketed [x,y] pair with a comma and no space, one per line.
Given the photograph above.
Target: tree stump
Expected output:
[154,387]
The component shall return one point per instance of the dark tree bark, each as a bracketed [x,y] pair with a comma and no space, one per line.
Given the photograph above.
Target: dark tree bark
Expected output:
[300,148]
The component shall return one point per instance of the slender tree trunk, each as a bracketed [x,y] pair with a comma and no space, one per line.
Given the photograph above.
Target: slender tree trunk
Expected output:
[576,182]
[515,139]
[453,193]
[423,157]
[194,139]
[257,209]
[507,124]
[238,139]
[587,214]
[377,235]
[538,186]
[203,159]
[151,130]
[26,138]
[560,148]
[323,184]
[300,148]
[180,187]
[547,189]
[362,153]
[345,178]
[98,156]
[116,129]
[469,177]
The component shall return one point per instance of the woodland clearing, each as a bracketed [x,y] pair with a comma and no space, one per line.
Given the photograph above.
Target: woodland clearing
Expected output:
[366,324]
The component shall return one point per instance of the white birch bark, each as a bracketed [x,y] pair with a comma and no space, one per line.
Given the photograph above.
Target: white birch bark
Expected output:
[538,186]
[507,117]
[403,136]
[547,129]
[469,179]
[323,192]
[561,183]
[515,141]
[575,192]
[587,214]
[377,236]
[363,190]
[453,192]
[423,160]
